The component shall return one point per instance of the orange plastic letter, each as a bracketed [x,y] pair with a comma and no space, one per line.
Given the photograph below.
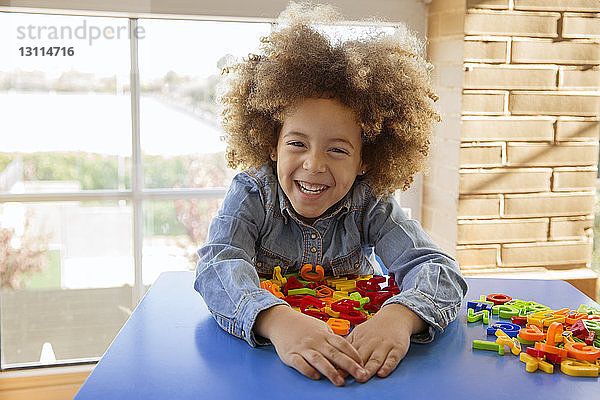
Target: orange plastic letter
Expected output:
[306,272]
[339,326]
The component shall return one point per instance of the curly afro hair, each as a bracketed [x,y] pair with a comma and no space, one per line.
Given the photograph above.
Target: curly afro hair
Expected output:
[383,78]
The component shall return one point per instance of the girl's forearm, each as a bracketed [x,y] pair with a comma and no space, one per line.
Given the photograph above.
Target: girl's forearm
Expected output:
[268,320]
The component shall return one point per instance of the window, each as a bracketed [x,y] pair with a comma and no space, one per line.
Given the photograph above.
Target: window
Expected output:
[78,215]
[178,102]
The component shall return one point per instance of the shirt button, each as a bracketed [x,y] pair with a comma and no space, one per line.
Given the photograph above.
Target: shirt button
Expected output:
[259,264]
[313,236]
[356,266]
[313,250]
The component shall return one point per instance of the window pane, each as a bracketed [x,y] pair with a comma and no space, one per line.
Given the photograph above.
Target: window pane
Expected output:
[173,231]
[66,120]
[178,114]
[67,276]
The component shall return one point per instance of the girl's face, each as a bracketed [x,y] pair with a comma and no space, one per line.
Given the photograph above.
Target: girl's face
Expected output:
[318,155]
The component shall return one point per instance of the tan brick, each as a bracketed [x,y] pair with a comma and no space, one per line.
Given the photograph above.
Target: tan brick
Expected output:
[489,4]
[509,78]
[452,23]
[572,178]
[546,254]
[480,156]
[502,128]
[543,155]
[485,51]
[512,23]
[483,103]
[479,206]
[557,5]
[523,103]
[502,231]
[504,180]
[579,79]
[474,256]
[572,228]
[548,204]
[576,130]
[577,26]
[548,52]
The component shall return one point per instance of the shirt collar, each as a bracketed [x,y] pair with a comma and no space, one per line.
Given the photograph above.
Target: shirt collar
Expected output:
[340,208]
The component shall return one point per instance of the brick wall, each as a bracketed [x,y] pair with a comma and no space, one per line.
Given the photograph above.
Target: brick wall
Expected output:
[529,131]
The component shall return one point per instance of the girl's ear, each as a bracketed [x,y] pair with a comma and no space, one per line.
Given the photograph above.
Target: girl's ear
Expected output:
[363,168]
[273,155]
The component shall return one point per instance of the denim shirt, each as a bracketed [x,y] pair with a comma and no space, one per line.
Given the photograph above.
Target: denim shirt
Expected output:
[256,229]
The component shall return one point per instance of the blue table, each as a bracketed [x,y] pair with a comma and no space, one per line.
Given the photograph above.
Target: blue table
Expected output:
[171,348]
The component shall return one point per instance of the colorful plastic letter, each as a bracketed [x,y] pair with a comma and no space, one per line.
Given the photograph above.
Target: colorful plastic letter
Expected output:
[582,351]
[498,299]
[550,349]
[506,340]
[554,334]
[478,316]
[535,353]
[520,320]
[323,291]
[339,326]
[292,283]
[354,316]
[579,368]
[480,305]
[491,346]
[303,290]
[592,325]
[589,309]
[511,330]
[277,277]
[505,311]
[532,364]
[307,273]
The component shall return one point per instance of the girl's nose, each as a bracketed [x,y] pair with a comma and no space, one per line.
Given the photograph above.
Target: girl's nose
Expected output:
[314,162]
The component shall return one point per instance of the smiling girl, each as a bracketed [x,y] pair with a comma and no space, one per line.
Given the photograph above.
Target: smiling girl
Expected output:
[327,131]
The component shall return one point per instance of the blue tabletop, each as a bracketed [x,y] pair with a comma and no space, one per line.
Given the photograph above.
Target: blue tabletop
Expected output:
[170,348]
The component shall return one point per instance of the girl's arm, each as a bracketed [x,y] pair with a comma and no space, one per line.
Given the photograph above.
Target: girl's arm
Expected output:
[430,281]
[225,275]
[431,285]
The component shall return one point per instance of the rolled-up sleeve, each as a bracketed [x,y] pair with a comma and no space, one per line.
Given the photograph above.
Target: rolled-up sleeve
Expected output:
[430,281]
[225,275]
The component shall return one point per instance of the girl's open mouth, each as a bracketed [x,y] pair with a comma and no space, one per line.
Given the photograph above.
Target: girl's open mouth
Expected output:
[310,188]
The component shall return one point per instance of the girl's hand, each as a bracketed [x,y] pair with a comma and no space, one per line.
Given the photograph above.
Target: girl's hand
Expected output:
[383,340]
[309,345]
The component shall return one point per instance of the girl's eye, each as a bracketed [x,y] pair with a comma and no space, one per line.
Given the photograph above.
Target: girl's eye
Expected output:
[338,150]
[296,144]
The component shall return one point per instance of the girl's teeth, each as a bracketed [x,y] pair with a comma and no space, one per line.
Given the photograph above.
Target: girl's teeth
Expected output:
[308,188]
